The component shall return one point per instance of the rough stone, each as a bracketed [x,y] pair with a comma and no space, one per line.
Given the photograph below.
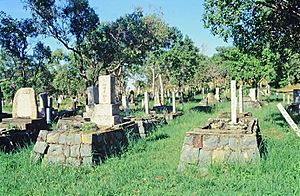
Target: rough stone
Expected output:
[62,138]
[86,138]
[248,142]
[67,151]
[224,141]
[59,159]
[43,135]
[205,158]
[75,151]
[188,140]
[40,147]
[233,144]
[86,150]
[220,155]
[73,161]
[73,138]
[52,137]
[189,154]
[87,161]
[210,142]
[55,150]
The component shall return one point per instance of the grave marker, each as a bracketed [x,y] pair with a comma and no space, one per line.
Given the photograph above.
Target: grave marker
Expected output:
[24,104]
[252,94]
[217,95]
[288,119]
[241,109]
[174,102]
[146,102]
[233,102]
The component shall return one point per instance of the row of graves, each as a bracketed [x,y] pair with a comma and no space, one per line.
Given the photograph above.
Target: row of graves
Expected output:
[99,133]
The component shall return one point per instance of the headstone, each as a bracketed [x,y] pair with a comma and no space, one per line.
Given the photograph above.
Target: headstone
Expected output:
[258,94]
[173,102]
[241,109]
[233,102]
[59,101]
[24,104]
[124,101]
[48,115]
[288,119]
[131,96]
[146,102]
[43,97]
[203,92]
[92,95]
[156,99]
[106,113]
[283,98]
[217,95]
[288,99]
[252,94]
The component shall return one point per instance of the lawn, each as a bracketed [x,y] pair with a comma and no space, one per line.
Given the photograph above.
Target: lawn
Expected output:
[148,167]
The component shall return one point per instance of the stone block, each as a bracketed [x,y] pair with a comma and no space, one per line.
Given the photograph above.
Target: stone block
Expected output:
[198,141]
[73,139]
[107,89]
[233,143]
[67,151]
[205,158]
[60,159]
[75,151]
[62,138]
[188,140]
[106,120]
[189,154]
[223,141]
[210,142]
[73,161]
[87,161]
[86,150]
[107,109]
[43,135]
[52,137]
[248,142]
[86,138]
[40,147]
[251,155]
[220,155]
[55,150]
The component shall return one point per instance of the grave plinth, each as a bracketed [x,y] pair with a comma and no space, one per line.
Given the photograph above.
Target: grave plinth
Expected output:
[106,113]
[222,141]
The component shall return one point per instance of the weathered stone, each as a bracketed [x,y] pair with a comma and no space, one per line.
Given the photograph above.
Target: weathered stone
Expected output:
[210,142]
[205,158]
[198,141]
[60,159]
[73,138]
[233,144]
[36,158]
[86,138]
[87,161]
[52,137]
[73,161]
[40,147]
[220,155]
[189,139]
[55,150]
[251,155]
[189,154]
[107,89]
[223,141]
[75,151]
[106,109]
[67,151]
[24,104]
[43,135]
[248,142]
[62,138]
[86,150]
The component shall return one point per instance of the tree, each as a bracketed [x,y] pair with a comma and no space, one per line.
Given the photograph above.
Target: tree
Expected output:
[252,24]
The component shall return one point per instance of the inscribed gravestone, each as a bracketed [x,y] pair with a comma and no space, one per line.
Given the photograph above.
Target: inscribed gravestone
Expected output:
[107,89]
[24,104]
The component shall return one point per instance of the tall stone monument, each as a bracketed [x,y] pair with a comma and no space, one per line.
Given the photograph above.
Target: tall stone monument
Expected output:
[252,94]
[233,102]
[106,113]
[24,104]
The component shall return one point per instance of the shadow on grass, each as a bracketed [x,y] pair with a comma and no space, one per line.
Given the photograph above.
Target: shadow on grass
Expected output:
[206,109]
[156,137]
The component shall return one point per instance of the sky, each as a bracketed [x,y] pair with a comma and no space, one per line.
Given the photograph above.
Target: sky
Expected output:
[186,15]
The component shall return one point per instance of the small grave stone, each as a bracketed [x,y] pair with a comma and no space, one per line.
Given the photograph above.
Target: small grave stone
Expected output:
[174,102]
[217,95]
[24,104]
[43,97]
[252,94]
[156,99]
[283,98]
[241,107]
[288,99]
[146,102]
[233,102]
[92,95]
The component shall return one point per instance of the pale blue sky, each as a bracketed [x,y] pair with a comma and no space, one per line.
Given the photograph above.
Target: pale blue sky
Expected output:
[184,14]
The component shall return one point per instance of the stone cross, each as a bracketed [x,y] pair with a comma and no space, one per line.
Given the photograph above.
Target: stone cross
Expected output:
[241,109]
[233,102]
[173,102]
[217,95]
[288,119]
[146,102]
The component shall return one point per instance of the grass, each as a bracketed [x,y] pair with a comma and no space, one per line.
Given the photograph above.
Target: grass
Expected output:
[149,166]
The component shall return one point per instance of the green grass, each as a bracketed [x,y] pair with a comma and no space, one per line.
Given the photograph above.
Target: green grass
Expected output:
[149,166]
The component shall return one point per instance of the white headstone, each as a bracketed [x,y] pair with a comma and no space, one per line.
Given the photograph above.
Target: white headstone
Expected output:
[217,95]
[24,104]
[283,98]
[252,94]
[146,102]
[288,99]
[173,102]
[241,107]
[233,102]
